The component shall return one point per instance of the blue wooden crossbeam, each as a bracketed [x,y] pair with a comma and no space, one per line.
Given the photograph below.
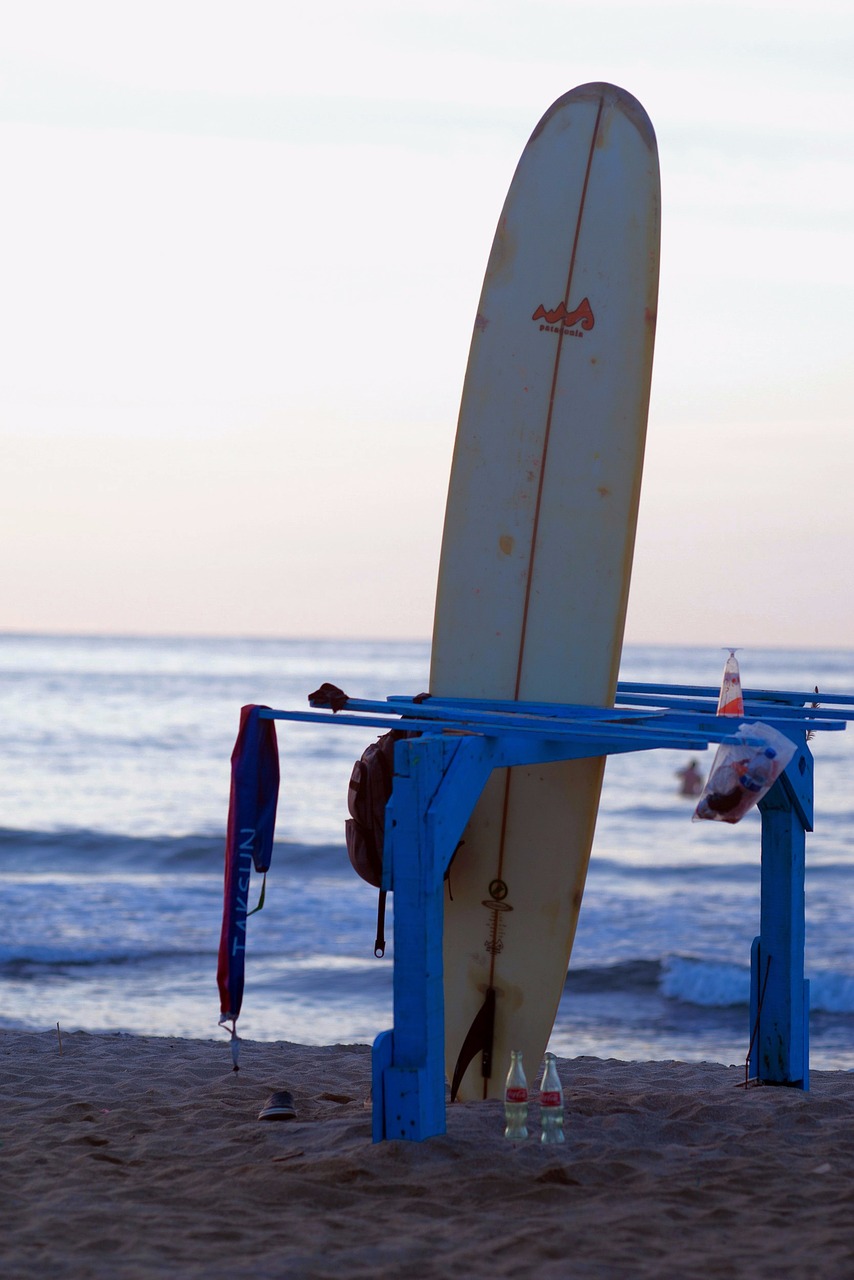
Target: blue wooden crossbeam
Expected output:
[793,698]
[648,730]
[438,778]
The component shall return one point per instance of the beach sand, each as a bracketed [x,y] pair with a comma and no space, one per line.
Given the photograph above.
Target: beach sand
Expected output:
[140,1157]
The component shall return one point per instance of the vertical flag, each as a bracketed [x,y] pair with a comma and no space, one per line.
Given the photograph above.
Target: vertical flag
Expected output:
[249,842]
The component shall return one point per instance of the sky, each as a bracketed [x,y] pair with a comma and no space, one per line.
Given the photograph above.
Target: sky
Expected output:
[241,249]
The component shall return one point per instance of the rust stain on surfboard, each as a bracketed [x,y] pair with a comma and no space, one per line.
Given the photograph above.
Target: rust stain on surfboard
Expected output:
[503,253]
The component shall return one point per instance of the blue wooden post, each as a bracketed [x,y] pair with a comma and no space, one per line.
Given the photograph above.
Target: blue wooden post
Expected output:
[409,1061]
[779,1003]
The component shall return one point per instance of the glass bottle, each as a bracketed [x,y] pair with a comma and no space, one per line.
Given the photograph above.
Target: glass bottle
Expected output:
[516,1099]
[551,1103]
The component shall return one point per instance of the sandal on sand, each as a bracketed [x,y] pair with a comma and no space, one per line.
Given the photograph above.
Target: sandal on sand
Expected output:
[279,1106]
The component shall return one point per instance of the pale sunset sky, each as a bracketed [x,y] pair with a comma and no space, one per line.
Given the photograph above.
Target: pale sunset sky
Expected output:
[241,248]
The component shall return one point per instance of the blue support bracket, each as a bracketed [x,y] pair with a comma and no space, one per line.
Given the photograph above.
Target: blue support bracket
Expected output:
[438,778]
[411,1104]
[437,782]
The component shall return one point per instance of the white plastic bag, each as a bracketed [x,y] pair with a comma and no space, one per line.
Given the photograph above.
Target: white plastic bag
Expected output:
[742,774]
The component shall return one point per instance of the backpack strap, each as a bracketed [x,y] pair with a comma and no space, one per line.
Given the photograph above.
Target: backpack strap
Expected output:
[379,944]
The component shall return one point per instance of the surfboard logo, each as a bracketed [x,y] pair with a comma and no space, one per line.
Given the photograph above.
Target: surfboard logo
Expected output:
[496,905]
[561,319]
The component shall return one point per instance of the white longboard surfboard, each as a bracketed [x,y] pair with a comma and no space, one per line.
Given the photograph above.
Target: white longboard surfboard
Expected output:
[537,550]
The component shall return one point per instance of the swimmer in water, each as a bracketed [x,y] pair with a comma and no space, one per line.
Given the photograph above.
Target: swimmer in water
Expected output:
[690,779]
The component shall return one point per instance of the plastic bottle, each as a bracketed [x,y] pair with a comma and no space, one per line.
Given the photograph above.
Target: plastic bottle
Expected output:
[516,1099]
[760,772]
[551,1103]
[731,700]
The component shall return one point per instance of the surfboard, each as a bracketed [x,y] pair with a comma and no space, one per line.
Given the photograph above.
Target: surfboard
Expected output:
[537,549]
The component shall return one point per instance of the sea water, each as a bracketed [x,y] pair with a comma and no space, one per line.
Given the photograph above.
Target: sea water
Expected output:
[113,802]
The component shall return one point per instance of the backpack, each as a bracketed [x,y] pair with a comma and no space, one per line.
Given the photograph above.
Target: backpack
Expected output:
[367,796]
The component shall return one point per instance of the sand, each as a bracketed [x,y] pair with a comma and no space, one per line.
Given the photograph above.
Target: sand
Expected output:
[140,1157]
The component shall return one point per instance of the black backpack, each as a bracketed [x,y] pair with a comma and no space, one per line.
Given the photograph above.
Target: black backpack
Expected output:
[369,792]
[367,796]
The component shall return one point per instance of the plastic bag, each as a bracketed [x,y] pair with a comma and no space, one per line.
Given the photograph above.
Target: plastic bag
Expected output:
[742,774]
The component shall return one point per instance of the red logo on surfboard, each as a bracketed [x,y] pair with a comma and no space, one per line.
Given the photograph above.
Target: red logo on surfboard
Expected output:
[561,318]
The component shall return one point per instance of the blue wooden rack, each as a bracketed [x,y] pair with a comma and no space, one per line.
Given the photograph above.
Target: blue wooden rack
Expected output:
[439,776]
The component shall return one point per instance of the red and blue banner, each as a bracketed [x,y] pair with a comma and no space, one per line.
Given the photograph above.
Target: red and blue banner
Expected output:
[249,842]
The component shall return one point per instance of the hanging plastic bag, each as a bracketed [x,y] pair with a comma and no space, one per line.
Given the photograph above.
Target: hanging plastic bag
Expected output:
[742,773]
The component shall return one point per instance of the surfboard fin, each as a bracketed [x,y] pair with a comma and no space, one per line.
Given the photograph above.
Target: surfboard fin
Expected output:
[479,1039]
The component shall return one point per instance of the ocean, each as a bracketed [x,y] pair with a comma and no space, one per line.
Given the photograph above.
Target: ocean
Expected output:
[113,804]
